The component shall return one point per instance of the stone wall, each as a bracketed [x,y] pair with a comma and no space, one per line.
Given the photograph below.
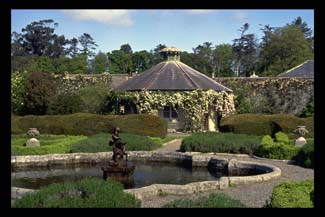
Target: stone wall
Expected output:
[71,83]
[283,95]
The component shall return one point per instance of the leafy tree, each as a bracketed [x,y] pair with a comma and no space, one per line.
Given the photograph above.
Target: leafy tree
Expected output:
[40,91]
[38,36]
[73,50]
[126,48]
[17,48]
[141,60]
[188,58]
[78,64]
[57,48]
[287,48]
[120,62]
[88,45]
[303,26]
[100,63]
[223,57]
[203,59]
[156,57]
[245,50]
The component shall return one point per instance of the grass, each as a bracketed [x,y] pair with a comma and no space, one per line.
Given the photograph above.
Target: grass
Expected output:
[51,144]
[214,200]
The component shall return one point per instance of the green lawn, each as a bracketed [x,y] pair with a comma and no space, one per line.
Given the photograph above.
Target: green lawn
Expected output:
[51,144]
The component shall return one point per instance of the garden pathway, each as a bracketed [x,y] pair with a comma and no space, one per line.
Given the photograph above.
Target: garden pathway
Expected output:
[171,146]
[253,195]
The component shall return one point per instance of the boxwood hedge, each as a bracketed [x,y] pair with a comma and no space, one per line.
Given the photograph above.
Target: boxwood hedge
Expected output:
[90,124]
[87,193]
[293,195]
[259,124]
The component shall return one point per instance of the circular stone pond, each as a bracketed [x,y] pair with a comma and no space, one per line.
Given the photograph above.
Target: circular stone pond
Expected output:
[145,174]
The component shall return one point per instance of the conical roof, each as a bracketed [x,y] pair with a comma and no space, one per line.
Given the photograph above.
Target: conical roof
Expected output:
[171,75]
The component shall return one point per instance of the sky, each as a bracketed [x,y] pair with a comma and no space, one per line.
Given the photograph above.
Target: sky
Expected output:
[145,29]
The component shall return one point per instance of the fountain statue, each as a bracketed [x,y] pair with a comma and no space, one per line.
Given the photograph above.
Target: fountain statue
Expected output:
[118,167]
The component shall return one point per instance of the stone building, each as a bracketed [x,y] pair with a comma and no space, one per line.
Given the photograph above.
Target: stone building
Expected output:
[180,82]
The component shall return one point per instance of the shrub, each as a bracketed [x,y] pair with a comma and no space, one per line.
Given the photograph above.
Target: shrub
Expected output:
[90,124]
[277,151]
[305,156]
[99,143]
[64,104]
[220,142]
[214,200]
[267,140]
[257,124]
[87,193]
[281,138]
[293,195]
[18,91]
[92,99]
[40,91]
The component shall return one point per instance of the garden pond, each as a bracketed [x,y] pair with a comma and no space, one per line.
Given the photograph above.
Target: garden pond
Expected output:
[145,174]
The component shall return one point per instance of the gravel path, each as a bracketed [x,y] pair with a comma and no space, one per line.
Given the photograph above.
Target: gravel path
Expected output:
[171,146]
[254,195]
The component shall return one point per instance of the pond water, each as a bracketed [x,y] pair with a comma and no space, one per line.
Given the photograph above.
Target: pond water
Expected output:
[144,174]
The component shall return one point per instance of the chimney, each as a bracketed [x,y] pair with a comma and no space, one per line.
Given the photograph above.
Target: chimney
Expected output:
[171,54]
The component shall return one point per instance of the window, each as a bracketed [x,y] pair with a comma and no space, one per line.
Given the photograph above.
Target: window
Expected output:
[169,112]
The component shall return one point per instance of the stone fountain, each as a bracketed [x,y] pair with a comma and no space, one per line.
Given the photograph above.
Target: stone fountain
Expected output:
[118,168]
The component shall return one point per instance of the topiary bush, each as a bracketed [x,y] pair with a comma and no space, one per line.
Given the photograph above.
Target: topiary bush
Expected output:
[282,148]
[281,137]
[258,124]
[91,124]
[87,193]
[214,200]
[267,140]
[293,195]
[220,142]
[277,151]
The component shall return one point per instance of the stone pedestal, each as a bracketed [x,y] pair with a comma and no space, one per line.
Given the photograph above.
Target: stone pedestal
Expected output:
[301,141]
[33,142]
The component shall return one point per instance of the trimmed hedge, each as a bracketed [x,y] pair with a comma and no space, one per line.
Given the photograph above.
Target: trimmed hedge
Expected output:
[87,193]
[293,195]
[305,156]
[221,142]
[90,124]
[99,143]
[214,200]
[257,124]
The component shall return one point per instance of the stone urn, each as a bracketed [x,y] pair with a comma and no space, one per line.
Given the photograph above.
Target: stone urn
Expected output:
[33,142]
[301,131]
[33,132]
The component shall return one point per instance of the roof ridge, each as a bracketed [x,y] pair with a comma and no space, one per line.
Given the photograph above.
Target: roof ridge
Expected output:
[195,84]
[151,83]
[289,70]
[201,74]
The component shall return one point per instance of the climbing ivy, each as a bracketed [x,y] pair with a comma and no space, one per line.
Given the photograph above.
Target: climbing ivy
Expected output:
[195,104]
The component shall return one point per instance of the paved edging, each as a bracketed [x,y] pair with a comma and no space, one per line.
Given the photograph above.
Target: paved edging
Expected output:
[197,158]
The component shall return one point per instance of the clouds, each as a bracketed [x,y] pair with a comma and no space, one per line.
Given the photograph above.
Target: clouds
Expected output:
[240,16]
[199,12]
[111,17]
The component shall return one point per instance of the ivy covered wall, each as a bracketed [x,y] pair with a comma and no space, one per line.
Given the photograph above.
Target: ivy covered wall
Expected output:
[271,94]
